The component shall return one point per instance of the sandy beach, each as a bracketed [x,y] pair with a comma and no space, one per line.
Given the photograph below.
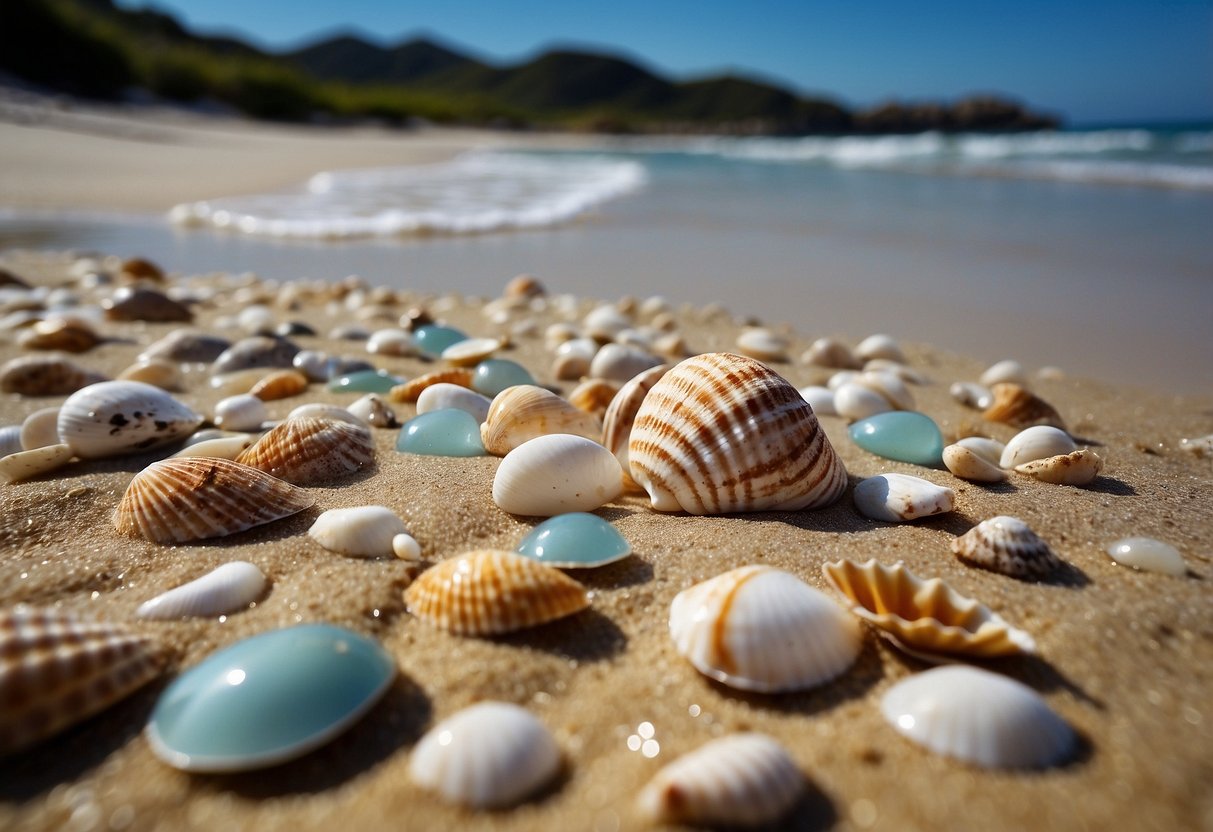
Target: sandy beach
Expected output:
[1126,658]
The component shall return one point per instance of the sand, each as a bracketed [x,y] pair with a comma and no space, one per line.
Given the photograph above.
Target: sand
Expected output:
[1125,657]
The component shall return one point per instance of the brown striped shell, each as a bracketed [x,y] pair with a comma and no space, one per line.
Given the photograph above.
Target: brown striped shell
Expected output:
[525,411]
[594,395]
[1020,408]
[56,670]
[621,414]
[35,375]
[306,451]
[180,499]
[1007,545]
[722,433]
[489,591]
[410,390]
[280,384]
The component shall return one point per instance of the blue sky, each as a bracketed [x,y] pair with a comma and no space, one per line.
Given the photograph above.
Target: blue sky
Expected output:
[1091,60]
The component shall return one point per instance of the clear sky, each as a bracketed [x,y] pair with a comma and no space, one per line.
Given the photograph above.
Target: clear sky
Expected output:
[1091,60]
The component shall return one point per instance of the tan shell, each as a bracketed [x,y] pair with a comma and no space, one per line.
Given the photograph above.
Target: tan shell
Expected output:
[60,334]
[307,451]
[488,591]
[519,414]
[40,376]
[1007,545]
[410,390]
[56,670]
[142,269]
[471,351]
[722,433]
[163,374]
[1077,468]
[829,352]
[280,384]
[925,618]
[621,414]
[967,464]
[594,395]
[1019,407]
[32,463]
[524,286]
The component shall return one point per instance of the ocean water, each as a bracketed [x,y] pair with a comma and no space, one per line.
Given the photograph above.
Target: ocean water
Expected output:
[1089,250]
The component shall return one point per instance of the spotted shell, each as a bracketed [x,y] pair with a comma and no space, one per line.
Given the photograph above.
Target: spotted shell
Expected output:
[521,413]
[410,390]
[306,451]
[256,351]
[925,618]
[64,334]
[722,433]
[56,670]
[742,779]
[35,375]
[113,418]
[1019,407]
[280,384]
[181,499]
[1007,545]
[621,415]
[488,591]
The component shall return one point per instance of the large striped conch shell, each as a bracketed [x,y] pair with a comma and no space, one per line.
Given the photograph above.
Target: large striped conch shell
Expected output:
[722,433]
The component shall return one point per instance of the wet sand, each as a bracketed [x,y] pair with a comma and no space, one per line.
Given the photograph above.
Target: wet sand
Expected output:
[1125,657]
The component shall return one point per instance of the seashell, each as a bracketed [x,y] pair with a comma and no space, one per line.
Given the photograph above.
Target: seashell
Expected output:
[395,342]
[1148,555]
[880,346]
[56,670]
[66,334]
[362,532]
[972,395]
[9,279]
[410,391]
[1201,446]
[286,329]
[406,547]
[221,447]
[821,399]
[721,433]
[978,717]
[1076,468]
[257,351]
[1005,372]
[594,395]
[243,412]
[524,286]
[854,401]
[522,413]
[488,592]
[471,352]
[762,629]
[621,415]
[280,384]
[570,366]
[25,465]
[179,500]
[883,365]
[349,332]
[487,756]
[1007,545]
[829,352]
[186,346]
[967,464]
[309,451]
[740,780]
[443,396]
[40,428]
[235,383]
[1039,442]
[318,410]
[137,303]
[899,498]
[10,440]
[1019,407]
[988,449]
[763,345]
[641,339]
[312,363]
[585,348]
[605,322]
[256,319]
[112,418]
[615,362]
[672,347]
[558,333]
[373,411]
[889,385]
[154,371]
[925,618]
[140,268]
[840,378]
[228,589]
[555,474]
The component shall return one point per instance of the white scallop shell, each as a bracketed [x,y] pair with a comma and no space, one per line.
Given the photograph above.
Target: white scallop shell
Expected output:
[616,362]
[1007,545]
[742,779]
[120,417]
[972,395]
[763,345]
[1005,372]
[1077,468]
[880,346]
[970,465]
[26,464]
[899,498]
[556,474]
[373,410]
[1039,442]
[444,396]
[40,428]
[363,531]
[242,412]
[763,629]
[821,399]
[978,717]
[227,589]
[490,755]
[1148,555]
[855,401]
[523,412]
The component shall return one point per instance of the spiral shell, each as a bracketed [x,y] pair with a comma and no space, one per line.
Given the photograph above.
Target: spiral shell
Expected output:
[721,433]
[306,451]
[1007,545]
[621,415]
[112,418]
[181,499]
[411,390]
[521,413]
[1019,407]
[227,589]
[488,591]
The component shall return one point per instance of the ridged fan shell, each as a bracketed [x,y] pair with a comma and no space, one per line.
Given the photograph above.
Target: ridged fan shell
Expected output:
[722,433]
[306,451]
[488,591]
[621,415]
[192,498]
[521,413]
[56,669]
[1007,545]
[1019,407]
[410,390]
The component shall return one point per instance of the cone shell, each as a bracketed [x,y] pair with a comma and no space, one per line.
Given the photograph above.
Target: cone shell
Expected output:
[621,415]
[1007,545]
[280,384]
[519,414]
[227,589]
[192,498]
[926,618]
[1019,407]
[488,591]
[763,629]
[307,451]
[38,376]
[410,390]
[122,417]
[1077,468]
[739,780]
[56,669]
[722,433]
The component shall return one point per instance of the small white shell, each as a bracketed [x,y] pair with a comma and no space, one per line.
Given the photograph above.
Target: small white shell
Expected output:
[889,385]
[898,498]
[230,588]
[221,447]
[763,344]
[978,717]
[605,322]
[988,449]
[120,417]
[374,411]
[406,547]
[490,755]
[1077,468]
[445,396]
[556,474]
[1007,545]
[1039,442]
[1201,446]
[970,465]
[907,374]
[840,378]
[395,342]
[972,395]
[821,399]
[26,464]
[880,346]
[523,412]
[742,779]
[470,352]
[242,412]
[155,371]
[858,401]
[616,362]
[763,629]
[318,410]
[829,352]
[570,367]
[1005,372]
[313,364]
[40,428]
[1148,555]
[362,532]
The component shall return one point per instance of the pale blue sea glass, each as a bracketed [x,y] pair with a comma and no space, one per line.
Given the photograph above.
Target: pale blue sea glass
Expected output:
[445,432]
[432,339]
[903,435]
[577,540]
[364,381]
[493,375]
[269,698]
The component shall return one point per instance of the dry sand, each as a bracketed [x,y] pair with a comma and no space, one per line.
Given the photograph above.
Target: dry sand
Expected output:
[1125,657]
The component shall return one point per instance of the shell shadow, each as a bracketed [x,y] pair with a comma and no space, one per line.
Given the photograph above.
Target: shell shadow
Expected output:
[1113,486]
[953,522]
[397,720]
[813,812]
[629,571]
[614,513]
[1067,575]
[588,636]
[291,526]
